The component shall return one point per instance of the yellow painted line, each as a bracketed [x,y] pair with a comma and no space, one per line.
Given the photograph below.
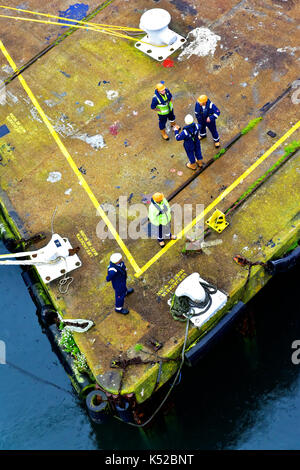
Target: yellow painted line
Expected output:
[71,162]
[218,199]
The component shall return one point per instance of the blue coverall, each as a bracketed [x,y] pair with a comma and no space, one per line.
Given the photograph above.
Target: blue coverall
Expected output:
[210,110]
[117,274]
[191,143]
[157,99]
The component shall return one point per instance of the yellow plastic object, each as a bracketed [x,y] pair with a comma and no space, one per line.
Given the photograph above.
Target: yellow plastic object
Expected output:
[217,221]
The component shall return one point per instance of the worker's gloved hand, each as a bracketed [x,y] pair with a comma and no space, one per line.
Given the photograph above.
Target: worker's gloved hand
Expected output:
[176,128]
[208,119]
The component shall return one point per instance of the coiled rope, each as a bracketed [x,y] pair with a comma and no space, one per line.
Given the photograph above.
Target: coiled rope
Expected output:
[183,307]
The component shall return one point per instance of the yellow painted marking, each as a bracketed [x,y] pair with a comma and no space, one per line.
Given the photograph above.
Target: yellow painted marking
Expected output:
[15,123]
[172,283]
[87,244]
[71,162]
[218,199]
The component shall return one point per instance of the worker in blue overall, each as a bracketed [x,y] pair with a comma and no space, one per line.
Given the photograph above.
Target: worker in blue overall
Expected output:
[191,142]
[117,274]
[162,103]
[206,113]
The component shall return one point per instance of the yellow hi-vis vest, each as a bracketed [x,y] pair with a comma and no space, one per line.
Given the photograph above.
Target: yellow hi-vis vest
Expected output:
[159,218]
[165,105]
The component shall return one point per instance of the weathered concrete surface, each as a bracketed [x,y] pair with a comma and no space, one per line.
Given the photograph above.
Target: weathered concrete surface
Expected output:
[26,39]
[101,111]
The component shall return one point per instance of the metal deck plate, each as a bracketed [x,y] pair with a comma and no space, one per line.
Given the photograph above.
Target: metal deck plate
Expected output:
[160,53]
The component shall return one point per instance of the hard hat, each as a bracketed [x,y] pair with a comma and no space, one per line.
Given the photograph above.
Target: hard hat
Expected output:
[188,119]
[157,197]
[160,86]
[202,99]
[116,258]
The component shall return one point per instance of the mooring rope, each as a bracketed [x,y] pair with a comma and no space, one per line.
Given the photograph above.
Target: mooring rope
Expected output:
[242,261]
[39,379]
[171,388]
[48,15]
[110,30]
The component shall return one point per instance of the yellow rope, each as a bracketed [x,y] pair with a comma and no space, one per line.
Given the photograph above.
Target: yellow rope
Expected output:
[99,30]
[124,28]
[104,30]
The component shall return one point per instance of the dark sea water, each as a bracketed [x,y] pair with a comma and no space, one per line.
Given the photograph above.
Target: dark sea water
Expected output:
[244,395]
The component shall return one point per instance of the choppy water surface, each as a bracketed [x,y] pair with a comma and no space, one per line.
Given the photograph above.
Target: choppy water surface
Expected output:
[244,395]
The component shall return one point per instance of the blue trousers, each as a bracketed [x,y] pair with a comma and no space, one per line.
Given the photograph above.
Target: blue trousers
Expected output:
[120,297]
[159,231]
[193,150]
[164,231]
[163,119]
[212,127]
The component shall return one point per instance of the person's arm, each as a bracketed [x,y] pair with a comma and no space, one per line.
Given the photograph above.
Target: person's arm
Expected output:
[111,274]
[154,103]
[169,95]
[153,214]
[197,110]
[215,113]
[198,131]
[178,136]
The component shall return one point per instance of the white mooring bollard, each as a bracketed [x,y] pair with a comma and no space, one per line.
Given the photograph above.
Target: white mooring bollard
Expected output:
[160,41]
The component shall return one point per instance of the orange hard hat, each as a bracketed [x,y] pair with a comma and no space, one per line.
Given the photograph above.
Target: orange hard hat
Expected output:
[202,99]
[160,86]
[157,197]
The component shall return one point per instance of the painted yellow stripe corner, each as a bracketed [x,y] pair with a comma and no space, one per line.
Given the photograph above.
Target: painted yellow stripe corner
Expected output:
[71,162]
[218,199]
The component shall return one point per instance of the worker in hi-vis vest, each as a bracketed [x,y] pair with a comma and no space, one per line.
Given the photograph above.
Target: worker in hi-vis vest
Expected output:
[207,113]
[160,218]
[117,274]
[191,142]
[162,103]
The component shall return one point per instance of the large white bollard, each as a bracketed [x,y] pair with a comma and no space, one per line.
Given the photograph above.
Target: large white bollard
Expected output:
[160,41]
[155,22]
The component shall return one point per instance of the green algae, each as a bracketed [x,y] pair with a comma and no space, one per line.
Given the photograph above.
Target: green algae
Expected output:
[251,125]
[219,154]
[288,150]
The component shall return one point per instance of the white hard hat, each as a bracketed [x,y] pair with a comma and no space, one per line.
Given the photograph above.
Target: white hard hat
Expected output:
[188,119]
[115,257]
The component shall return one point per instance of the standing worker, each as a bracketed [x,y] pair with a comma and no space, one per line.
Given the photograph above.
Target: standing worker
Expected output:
[117,274]
[160,217]
[206,113]
[162,103]
[191,138]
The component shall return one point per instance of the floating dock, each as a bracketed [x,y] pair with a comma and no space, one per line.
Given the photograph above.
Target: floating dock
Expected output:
[78,134]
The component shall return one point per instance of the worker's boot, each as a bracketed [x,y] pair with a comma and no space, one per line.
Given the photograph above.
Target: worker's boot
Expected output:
[191,166]
[173,124]
[199,163]
[217,144]
[124,311]
[164,135]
